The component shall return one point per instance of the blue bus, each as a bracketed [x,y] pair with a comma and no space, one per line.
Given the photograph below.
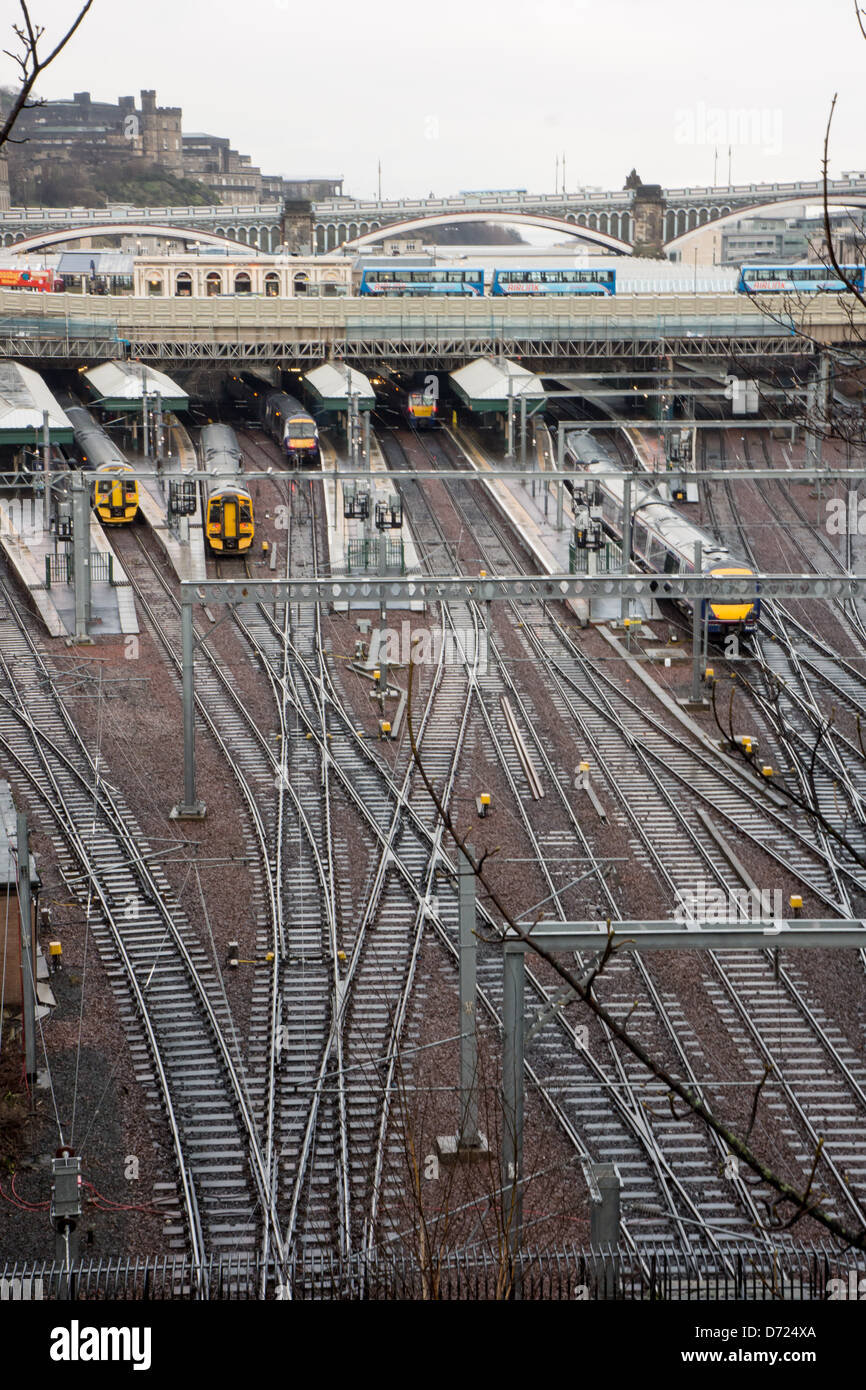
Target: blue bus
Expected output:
[774,279]
[425,279]
[586,281]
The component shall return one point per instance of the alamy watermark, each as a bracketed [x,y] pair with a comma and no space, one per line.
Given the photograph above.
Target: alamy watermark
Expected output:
[707,903]
[25,1289]
[846,515]
[755,126]
[22,518]
[423,646]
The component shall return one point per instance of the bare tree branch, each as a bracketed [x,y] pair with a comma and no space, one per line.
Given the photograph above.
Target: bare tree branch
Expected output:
[787,1194]
[29,63]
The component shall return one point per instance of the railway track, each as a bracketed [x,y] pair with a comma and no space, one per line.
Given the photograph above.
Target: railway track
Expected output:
[828,767]
[336,1121]
[621,1130]
[181,1031]
[681,855]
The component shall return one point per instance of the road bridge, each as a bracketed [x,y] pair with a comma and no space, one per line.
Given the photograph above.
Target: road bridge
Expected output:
[628,328]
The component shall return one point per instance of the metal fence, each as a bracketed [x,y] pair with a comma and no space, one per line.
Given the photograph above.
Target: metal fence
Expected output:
[59,568]
[749,1272]
[376,555]
[609,559]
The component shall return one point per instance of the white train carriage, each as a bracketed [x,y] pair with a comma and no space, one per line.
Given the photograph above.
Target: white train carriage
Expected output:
[662,539]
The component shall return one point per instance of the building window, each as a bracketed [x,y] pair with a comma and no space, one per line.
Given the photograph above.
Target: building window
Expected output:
[183,284]
[272,284]
[154,284]
[213,283]
[243,284]
[301,283]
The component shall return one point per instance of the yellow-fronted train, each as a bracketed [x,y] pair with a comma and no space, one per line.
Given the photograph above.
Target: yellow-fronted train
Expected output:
[115,494]
[662,539]
[229,526]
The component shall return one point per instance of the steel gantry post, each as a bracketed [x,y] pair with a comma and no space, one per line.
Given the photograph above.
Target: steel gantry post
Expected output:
[699,934]
[514,972]
[190,808]
[145,425]
[560,468]
[46,473]
[81,555]
[625,606]
[468,1136]
[28,965]
[696,631]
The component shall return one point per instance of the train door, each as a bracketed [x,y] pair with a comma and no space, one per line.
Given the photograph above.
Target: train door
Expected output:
[230,523]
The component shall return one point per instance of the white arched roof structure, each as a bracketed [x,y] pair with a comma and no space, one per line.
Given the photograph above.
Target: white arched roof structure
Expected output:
[834,200]
[150,229]
[502,219]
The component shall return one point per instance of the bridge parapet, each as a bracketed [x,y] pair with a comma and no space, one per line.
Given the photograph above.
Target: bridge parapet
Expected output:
[700,316]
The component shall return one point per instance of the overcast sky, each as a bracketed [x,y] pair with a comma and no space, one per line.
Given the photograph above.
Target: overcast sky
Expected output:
[471,94]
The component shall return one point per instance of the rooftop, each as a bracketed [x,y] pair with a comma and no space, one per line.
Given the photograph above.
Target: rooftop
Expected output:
[24,398]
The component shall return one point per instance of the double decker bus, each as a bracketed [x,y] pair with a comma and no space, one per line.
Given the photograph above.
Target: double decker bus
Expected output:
[427,279]
[564,281]
[14,278]
[796,279]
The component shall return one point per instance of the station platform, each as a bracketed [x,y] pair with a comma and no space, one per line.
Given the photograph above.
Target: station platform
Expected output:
[187,558]
[39,564]
[530,509]
[346,535]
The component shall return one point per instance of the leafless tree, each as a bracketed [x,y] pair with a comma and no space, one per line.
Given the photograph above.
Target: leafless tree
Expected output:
[829,419]
[30,62]
[785,1203]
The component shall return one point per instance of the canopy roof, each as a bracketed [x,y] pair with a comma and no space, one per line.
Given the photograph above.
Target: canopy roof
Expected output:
[486,385]
[329,385]
[24,398]
[120,386]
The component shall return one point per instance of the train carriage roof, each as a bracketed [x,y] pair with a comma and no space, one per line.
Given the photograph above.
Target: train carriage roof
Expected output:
[288,406]
[219,439]
[93,440]
[649,508]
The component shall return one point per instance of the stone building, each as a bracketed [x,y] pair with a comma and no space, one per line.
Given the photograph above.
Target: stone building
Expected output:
[79,130]
[161,134]
[208,275]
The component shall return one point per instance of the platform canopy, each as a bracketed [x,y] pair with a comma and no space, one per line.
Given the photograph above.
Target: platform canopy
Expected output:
[120,386]
[24,399]
[329,387]
[487,384]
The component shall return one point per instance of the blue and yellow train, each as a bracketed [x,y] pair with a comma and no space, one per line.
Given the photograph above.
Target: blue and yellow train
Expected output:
[281,416]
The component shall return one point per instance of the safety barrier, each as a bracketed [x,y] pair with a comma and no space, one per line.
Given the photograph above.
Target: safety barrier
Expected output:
[749,1271]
